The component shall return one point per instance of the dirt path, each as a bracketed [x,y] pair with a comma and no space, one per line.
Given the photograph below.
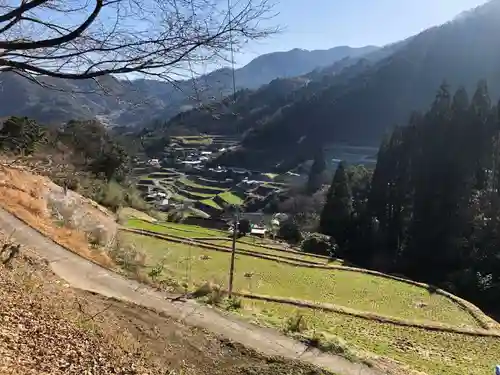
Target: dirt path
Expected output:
[85,275]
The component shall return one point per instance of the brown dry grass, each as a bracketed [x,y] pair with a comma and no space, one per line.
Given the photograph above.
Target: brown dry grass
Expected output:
[42,332]
[25,195]
[46,327]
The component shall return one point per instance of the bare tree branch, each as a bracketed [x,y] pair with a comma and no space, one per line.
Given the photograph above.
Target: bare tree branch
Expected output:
[82,39]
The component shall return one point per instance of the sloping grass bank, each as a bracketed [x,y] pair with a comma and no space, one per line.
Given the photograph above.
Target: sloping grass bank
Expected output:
[350,289]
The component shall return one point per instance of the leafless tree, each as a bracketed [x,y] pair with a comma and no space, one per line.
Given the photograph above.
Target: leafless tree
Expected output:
[82,39]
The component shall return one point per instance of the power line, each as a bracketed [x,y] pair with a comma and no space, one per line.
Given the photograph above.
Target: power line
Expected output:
[231,47]
[235,220]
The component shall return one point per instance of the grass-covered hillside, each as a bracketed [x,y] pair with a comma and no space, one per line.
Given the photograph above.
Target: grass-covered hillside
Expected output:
[393,324]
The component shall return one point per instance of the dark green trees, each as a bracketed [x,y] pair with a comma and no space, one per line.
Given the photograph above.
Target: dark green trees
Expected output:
[336,215]
[316,173]
[433,209]
[94,148]
[21,135]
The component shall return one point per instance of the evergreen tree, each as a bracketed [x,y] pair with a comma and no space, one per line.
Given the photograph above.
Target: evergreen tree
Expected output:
[337,211]
[21,135]
[317,172]
[433,209]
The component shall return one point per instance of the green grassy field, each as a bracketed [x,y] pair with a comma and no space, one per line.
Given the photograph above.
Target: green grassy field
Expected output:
[350,289]
[231,198]
[435,353]
[194,140]
[396,347]
[272,176]
[211,203]
[189,231]
[199,195]
[187,182]
[258,249]
[177,229]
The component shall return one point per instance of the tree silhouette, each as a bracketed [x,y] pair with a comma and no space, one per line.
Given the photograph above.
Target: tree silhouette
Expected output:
[87,39]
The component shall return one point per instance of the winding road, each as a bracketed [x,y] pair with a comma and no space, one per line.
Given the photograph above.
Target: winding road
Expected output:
[82,274]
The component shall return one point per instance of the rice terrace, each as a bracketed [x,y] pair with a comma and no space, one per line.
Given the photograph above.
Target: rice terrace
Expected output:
[386,321]
[181,194]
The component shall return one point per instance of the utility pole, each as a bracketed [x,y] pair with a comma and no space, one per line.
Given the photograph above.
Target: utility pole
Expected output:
[233,253]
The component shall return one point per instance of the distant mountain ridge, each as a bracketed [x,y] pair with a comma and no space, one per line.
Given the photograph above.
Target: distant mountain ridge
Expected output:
[138,102]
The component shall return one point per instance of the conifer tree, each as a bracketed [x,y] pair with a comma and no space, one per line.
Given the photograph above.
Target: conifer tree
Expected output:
[337,211]
[316,174]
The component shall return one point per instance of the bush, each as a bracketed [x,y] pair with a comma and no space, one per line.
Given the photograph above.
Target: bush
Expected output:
[112,196]
[210,292]
[233,303]
[295,324]
[157,270]
[127,257]
[321,244]
[98,236]
[133,199]
[289,231]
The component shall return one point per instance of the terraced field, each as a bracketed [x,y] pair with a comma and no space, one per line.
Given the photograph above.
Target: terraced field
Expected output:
[395,348]
[186,188]
[396,324]
[195,140]
[354,290]
[222,239]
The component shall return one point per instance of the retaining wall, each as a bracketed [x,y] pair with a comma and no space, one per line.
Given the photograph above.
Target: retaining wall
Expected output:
[197,189]
[222,184]
[212,211]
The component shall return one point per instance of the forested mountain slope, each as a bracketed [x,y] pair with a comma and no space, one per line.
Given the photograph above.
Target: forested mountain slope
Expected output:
[138,102]
[361,109]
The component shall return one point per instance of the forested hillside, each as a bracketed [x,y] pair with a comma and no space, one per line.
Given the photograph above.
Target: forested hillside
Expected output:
[432,210]
[361,109]
[138,102]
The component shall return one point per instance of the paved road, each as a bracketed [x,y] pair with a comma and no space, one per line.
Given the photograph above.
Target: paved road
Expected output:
[85,275]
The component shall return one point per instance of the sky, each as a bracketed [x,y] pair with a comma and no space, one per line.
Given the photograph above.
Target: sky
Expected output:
[323,24]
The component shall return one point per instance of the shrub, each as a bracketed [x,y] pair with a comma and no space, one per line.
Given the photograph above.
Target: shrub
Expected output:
[127,256]
[289,231]
[98,235]
[133,199]
[244,227]
[321,244]
[112,196]
[210,292]
[295,323]
[233,303]
[157,270]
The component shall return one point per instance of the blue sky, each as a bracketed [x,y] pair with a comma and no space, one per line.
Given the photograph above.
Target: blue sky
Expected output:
[322,24]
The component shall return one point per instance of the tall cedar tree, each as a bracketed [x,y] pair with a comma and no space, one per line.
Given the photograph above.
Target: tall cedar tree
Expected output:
[435,199]
[317,172]
[337,211]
